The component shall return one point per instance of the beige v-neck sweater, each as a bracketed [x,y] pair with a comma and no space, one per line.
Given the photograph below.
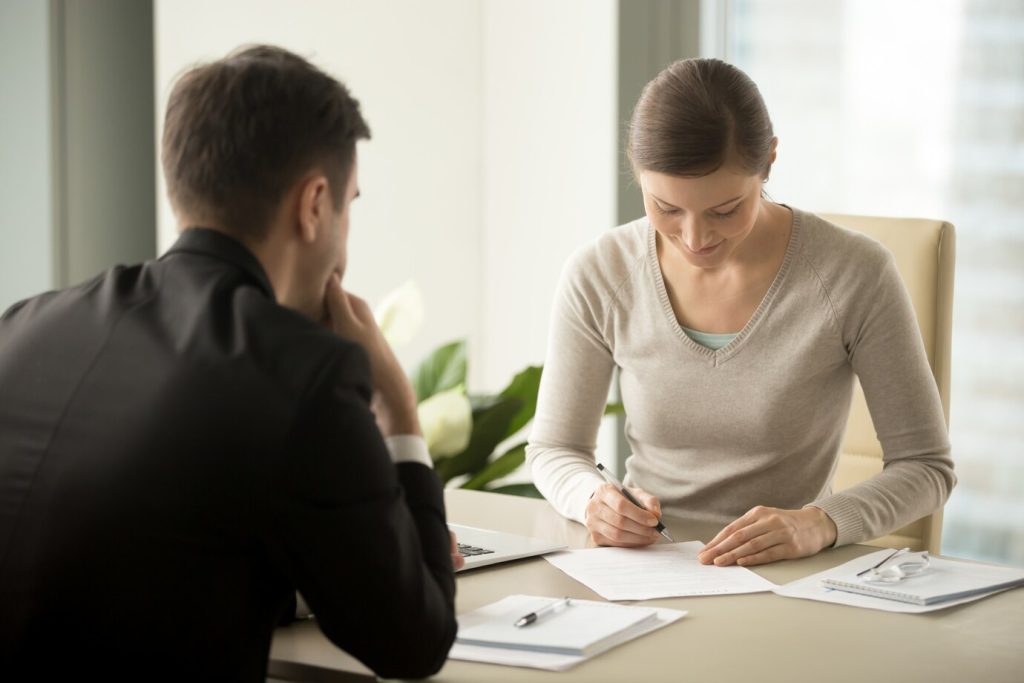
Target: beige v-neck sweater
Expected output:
[761,420]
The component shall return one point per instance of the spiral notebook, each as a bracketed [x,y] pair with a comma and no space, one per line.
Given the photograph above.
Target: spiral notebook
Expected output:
[944,581]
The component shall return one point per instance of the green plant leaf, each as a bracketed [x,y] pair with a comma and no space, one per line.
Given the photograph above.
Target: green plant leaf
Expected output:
[444,369]
[525,490]
[490,427]
[439,463]
[524,386]
[503,465]
[480,403]
[615,409]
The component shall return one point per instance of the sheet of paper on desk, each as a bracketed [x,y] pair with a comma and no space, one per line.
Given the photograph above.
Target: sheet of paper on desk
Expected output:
[658,571]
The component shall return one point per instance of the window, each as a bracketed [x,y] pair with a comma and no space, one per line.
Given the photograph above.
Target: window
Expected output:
[916,108]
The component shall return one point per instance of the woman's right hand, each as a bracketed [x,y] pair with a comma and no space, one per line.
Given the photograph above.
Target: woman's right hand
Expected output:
[613,520]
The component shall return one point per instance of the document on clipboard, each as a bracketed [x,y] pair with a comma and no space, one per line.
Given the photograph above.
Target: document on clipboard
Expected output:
[581,630]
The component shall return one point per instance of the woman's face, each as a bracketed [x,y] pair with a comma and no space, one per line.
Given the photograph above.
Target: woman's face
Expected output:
[705,219]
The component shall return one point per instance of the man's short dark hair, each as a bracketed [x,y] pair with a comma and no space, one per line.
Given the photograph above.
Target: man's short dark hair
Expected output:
[239,132]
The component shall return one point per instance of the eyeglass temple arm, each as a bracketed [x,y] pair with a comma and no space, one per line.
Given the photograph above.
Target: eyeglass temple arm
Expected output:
[884,560]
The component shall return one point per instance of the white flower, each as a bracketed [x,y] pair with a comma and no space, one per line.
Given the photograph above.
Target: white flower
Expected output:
[447,420]
[400,314]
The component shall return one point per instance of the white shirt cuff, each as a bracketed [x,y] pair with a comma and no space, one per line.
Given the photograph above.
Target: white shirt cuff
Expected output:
[409,448]
[302,610]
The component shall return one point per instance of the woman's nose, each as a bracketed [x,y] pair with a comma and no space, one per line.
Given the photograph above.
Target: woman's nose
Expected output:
[695,236]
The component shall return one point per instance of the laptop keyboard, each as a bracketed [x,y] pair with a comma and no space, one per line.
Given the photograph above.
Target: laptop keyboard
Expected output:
[471,550]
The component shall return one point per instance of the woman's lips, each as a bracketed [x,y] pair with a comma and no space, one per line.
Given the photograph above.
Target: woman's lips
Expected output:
[705,251]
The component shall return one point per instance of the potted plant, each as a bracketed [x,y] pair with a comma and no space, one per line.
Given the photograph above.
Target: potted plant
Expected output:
[464,431]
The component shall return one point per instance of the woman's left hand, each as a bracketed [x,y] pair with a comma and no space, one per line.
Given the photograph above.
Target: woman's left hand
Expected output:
[767,534]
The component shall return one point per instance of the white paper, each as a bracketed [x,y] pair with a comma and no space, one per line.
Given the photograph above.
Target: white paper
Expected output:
[811,588]
[655,571]
[543,660]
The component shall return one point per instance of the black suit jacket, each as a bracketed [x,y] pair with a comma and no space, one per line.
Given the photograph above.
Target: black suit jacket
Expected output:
[178,454]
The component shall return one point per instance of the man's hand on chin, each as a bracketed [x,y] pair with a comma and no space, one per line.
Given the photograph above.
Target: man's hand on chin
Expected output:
[394,397]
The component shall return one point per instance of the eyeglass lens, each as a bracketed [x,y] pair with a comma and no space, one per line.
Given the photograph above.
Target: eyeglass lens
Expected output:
[897,571]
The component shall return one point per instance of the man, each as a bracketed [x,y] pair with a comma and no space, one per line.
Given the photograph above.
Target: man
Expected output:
[185,443]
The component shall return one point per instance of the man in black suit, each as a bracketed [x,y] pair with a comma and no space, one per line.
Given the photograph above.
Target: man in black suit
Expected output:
[186,442]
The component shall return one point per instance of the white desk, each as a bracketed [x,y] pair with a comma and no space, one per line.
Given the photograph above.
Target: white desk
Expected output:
[760,638]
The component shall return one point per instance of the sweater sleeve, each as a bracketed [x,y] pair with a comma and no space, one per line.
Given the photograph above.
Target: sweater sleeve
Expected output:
[884,344]
[573,390]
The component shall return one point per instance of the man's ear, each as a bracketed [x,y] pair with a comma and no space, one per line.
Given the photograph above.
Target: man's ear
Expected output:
[314,206]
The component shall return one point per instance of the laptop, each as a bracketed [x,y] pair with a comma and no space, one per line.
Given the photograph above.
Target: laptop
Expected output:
[482,547]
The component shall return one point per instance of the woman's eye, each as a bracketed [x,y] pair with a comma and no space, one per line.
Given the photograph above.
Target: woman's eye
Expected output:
[715,214]
[662,210]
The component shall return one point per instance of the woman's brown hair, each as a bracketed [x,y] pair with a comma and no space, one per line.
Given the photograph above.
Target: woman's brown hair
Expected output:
[696,116]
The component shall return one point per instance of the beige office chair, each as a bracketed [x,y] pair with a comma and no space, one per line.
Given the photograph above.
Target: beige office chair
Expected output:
[924,251]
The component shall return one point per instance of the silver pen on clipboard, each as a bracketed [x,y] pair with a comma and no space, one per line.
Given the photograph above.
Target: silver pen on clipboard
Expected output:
[550,608]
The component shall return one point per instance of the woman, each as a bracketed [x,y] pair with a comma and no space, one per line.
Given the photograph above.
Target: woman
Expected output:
[738,326]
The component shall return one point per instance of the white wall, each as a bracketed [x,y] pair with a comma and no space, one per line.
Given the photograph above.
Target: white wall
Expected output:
[493,151]
[550,164]
[549,151]
[26,154]
[415,68]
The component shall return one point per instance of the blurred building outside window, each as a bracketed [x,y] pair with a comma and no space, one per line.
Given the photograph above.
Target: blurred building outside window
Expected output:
[916,108]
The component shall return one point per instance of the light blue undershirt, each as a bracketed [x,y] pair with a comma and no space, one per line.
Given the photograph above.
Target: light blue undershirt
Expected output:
[711,341]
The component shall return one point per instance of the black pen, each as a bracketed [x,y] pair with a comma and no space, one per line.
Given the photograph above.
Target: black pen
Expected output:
[528,619]
[629,496]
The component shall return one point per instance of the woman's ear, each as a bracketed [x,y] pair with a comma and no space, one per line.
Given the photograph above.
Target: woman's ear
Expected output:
[773,153]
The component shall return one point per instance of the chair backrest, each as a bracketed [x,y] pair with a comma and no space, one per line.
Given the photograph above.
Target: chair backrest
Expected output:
[925,251]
